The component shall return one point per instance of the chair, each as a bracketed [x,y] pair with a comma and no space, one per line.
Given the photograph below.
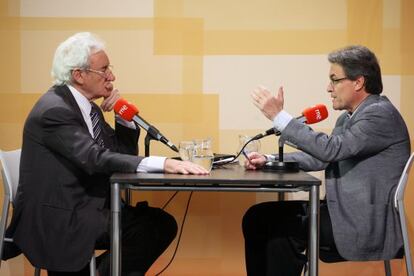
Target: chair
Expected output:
[399,205]
[10,161]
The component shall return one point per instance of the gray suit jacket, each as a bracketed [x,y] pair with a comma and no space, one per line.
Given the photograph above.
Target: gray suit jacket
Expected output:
[363,159]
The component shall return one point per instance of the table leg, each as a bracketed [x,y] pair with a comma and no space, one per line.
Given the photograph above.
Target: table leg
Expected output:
[314,231]
[115,230]
[127,196]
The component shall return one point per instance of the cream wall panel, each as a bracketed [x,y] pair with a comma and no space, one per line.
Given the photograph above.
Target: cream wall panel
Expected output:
[137,68]
[391,13]
[304,79]
[130,51]
[268,14]
[392,89]
[37,50]
[86,8]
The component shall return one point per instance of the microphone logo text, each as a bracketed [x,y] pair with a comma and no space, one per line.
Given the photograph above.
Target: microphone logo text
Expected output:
[123,109]
[318,114]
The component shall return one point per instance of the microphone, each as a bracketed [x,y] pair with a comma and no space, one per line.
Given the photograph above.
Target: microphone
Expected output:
[130,113]
[310,115]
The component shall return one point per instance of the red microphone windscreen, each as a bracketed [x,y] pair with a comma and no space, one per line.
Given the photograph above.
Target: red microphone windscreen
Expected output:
[315,113]
[125,109]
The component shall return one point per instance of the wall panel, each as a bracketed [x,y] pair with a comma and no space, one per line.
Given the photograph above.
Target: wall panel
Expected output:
[190,65]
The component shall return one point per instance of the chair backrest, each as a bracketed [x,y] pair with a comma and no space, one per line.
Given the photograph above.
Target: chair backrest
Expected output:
[10,161]
[402,184]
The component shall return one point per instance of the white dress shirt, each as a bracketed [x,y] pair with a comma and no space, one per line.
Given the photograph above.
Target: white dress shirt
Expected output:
[148,164]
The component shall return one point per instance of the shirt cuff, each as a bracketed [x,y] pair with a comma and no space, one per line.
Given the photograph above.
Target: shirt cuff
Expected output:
[281,120]
[270,157]
[124,122]
[152,164]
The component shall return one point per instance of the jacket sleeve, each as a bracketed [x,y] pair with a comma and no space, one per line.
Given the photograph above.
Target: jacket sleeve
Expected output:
[306,162]
[371,131]
[65,134]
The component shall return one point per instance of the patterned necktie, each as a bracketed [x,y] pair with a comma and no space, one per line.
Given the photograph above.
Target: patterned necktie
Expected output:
[97,131]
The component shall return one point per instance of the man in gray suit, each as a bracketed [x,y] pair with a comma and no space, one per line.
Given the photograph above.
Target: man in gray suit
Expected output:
[363,159]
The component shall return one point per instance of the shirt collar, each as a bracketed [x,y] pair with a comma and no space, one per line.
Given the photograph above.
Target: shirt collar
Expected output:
[350,114]
[83,103]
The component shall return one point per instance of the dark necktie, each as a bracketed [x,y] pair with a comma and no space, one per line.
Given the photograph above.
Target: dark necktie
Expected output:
[97,131]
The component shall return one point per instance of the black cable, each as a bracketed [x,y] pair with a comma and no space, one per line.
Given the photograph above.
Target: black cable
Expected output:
[168,201]
[179,235]
[237,155]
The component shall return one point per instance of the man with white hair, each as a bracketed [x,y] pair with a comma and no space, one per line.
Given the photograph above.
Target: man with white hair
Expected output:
[69,152]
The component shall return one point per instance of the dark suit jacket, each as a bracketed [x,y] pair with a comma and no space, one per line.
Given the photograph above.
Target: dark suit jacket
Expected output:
[61,205]
[364,158]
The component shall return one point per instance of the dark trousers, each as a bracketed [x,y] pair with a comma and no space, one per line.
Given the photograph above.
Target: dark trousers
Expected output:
[146,233]
[276,235]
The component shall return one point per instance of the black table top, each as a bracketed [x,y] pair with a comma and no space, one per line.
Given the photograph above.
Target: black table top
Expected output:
[226,176]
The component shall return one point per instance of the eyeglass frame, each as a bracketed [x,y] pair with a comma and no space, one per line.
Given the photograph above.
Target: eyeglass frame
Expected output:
[105,74]
[334,82]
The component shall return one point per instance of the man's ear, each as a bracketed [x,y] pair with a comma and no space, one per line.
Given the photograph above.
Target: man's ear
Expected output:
[77,76]
[359,83]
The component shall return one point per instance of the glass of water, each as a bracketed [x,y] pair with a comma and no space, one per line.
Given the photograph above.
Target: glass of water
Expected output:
[253,146]
[203,153]
[186,149]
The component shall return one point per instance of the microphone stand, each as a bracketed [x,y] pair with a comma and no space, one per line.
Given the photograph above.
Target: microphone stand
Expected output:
[280,165]
[147,141]
[153,134]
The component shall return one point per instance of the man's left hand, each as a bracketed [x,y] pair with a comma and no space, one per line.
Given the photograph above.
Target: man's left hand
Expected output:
[183,167]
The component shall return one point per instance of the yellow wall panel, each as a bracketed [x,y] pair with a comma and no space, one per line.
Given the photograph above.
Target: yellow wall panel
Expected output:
[246,15]
[10,50]
[15,107]
[192,74]
[389,61]
[178,36]
[11,136]
[160,63]
[130,51]
[407,38]
[178,117]
[365,23]
[137,68]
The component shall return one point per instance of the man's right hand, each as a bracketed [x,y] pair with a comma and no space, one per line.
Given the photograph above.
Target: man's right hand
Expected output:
[270,105]
[109,102]
[183,167]
[255,161]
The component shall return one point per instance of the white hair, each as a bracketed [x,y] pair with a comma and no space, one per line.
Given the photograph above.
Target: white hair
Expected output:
[74,53]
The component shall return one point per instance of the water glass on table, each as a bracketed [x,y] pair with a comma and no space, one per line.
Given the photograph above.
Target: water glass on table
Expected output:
[203,153]
[253,146]
[185,150]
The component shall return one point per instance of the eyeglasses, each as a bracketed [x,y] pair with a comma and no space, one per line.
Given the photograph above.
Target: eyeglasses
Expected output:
[106,74]
[334,82]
